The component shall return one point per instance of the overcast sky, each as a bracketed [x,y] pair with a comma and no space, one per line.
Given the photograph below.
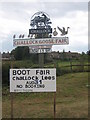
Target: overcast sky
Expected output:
[15,19]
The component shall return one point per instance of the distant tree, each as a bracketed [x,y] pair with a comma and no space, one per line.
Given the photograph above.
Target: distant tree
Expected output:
[26,53]
[57,51]
[83,53]
[63,50]
[64,54]
[3,53]
[88,52]
[20,53]
[13,52]
[33,57]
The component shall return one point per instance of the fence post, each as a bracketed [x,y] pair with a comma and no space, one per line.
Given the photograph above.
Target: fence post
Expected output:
[71,65]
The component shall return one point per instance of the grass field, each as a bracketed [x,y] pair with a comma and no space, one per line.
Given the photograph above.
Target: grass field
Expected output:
[28,63]
[71,100]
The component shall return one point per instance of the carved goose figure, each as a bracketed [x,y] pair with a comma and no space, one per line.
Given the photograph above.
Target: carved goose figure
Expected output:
[63,30]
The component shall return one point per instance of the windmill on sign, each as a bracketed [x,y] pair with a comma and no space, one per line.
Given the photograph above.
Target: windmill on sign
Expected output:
[63,31]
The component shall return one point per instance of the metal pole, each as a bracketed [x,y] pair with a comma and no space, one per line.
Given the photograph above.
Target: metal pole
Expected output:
[11,95]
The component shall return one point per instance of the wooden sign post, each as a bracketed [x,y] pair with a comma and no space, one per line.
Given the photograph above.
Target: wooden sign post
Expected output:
[11,104]
[55,105]
[42,32]
[41,60]
[54,96]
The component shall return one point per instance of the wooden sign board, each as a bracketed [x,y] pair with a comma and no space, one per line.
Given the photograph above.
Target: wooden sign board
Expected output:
[40,50]
[41,41]
[40,31]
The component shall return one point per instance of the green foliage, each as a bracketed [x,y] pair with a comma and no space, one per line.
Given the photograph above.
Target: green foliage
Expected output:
[5,74]
[21,53]
[62,67]
[6,65]
[34,58]
[88,52]
[58,70]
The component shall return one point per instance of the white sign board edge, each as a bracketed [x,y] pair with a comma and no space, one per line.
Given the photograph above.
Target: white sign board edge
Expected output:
[33,80]
[40,47]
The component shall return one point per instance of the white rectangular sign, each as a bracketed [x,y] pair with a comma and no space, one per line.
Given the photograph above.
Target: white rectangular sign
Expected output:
[41,41]
[33,80]
[40,50]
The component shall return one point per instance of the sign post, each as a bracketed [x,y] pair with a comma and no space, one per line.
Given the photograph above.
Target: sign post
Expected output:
[40,23]
[37,80]
[54,104]
[11,104]
[41,60]
[54,97]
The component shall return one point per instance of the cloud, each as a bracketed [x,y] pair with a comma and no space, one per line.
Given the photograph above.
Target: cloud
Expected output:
[78,32]
[15,19]
[40,1]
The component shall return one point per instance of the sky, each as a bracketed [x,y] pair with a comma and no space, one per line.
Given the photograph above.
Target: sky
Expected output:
[15,19]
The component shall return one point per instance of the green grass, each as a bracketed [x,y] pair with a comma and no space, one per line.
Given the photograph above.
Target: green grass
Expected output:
[71,100]
[23,64]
